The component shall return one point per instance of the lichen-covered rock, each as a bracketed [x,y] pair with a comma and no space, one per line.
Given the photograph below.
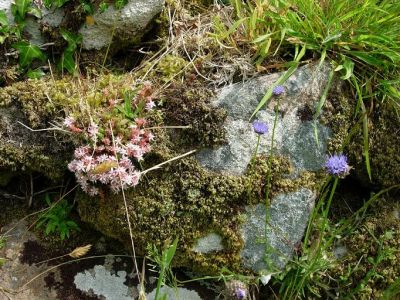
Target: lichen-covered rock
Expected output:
[287,219]
[42,105]
[269,247]
[102,283]
[294,137]
[125,25]
[215,202]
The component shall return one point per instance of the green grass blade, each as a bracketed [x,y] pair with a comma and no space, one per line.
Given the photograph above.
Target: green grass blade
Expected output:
[366,141]
[280,81]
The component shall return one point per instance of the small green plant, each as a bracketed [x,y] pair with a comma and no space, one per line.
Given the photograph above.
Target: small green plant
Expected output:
[27,51]
[6,30]
[67,59]
[163,261]
[56,218]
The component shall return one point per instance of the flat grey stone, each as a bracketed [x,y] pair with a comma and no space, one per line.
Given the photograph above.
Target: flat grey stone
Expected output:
[287,219]
[294,138]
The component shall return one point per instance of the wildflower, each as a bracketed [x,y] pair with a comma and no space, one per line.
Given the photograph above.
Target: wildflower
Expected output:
[240,293]
[150,105]
[337,165]
[69,122]
[140,122]
[260,127]
[93,130]
[278,90]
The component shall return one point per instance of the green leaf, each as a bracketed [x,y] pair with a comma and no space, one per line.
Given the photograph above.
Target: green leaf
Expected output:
[120,3]
[47,199]
[331,38]
[48,3]
[35,74]
[324,95]
[67,62]
[22,7]
[169,253]
[28,52]
[348,65]
[50,228]
[60,3]
[281,80]
[3,18]
[262,38]
[35,12]
[72,224]
[103,7]
[369,59]
[73,39]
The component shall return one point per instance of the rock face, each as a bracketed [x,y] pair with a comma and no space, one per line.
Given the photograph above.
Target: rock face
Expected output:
[24,150]
[287,219]
[118,26]
[51,17]
[294,137]
[215,202]
[126,25]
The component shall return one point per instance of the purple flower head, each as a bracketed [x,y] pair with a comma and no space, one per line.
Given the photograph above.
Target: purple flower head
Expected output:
[260,127]
[240,293]
[337,165]
[278,90]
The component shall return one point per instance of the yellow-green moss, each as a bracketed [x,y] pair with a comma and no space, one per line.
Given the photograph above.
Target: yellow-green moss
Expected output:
[41,103]
[170,65]
[377,239]
[384,141]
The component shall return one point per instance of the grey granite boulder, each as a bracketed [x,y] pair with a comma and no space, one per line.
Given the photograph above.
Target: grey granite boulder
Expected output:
[119,26]
[126,25]
[297,136]
[294,137]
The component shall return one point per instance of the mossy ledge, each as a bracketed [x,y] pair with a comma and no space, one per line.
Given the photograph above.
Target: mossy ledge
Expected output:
[184,200]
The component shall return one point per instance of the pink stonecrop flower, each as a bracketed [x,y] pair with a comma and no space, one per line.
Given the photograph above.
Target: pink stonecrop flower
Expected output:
[69,121]
[109,161]
[93,130]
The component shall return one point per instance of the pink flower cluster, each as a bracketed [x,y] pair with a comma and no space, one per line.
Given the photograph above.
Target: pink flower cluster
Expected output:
[107,158]
[108,161]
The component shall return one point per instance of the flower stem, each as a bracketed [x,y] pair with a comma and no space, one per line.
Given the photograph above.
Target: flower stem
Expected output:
[326,210]
[268,180]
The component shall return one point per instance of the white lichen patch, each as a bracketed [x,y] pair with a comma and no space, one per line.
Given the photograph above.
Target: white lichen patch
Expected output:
[100,282]
[210,243]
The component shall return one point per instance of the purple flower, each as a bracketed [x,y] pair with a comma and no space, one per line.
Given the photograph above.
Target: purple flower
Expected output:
[260,127]
[337,165]
[278,90]
[240,293]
